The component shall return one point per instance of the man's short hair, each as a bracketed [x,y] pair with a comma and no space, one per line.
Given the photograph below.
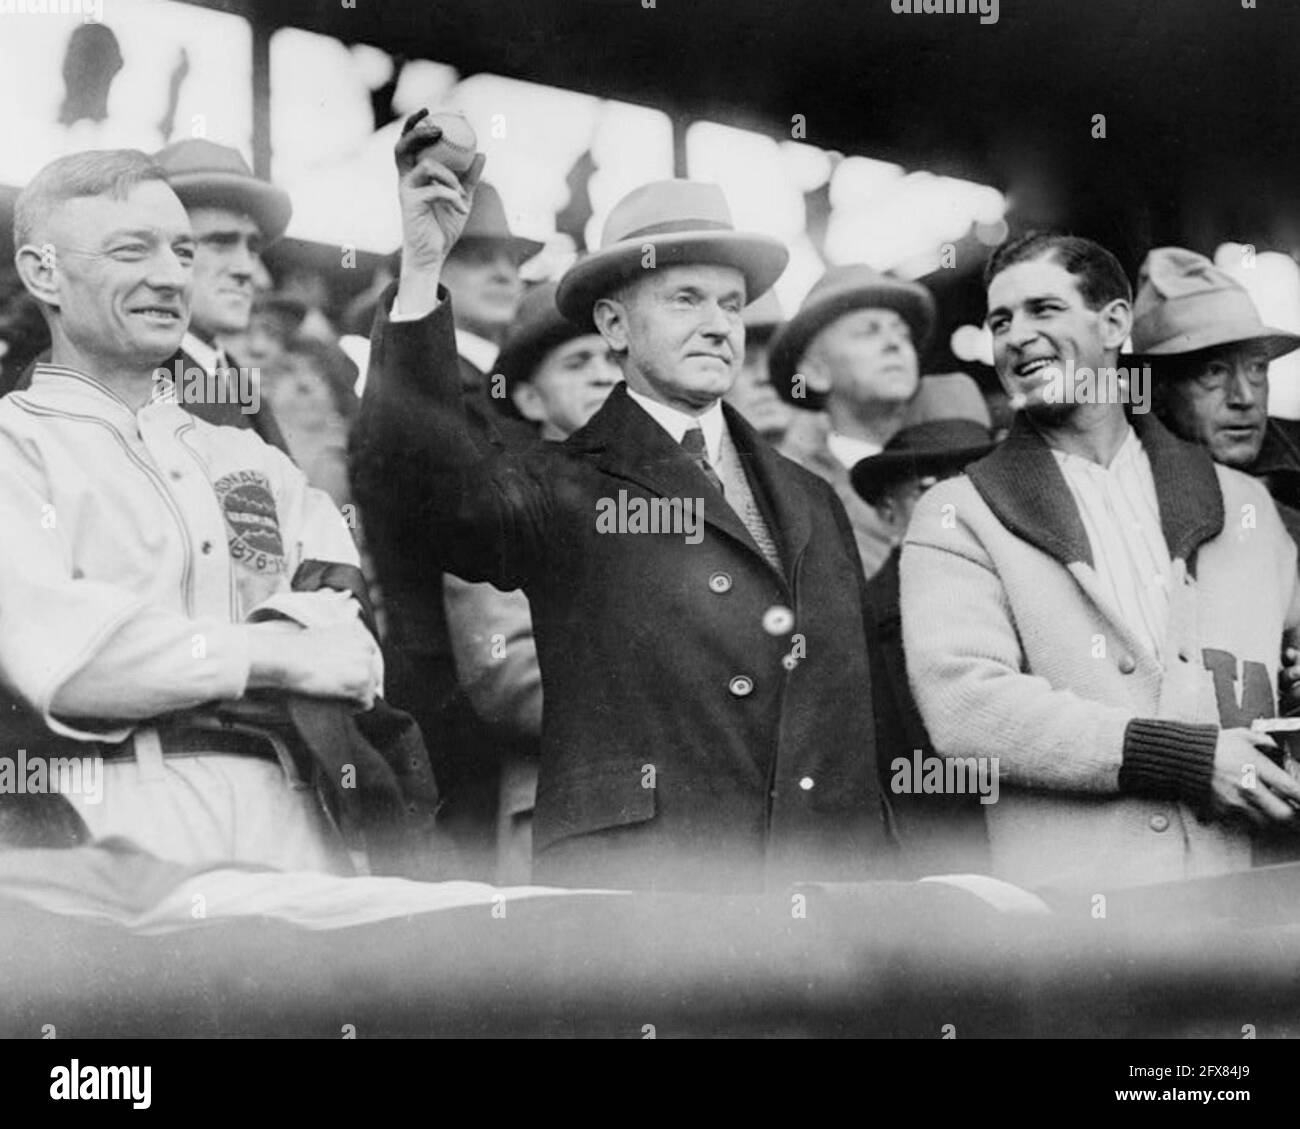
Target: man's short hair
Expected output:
[1098,274]
[95,172]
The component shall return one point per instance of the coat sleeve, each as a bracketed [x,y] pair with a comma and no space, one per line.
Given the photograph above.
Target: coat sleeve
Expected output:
[965,666]
[429,467]
[496,656]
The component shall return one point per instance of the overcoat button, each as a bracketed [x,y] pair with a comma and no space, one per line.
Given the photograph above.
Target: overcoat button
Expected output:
[1127,664]
[806,783]
[789,662]
[1159,823]
[720,582]
[778,619]
[741,686]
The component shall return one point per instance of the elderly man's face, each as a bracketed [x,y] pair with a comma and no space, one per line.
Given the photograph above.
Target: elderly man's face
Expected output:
[864,356]
[569,385]
[229,244]
[682,330]
[485,287]
[1221,402]
[124,272]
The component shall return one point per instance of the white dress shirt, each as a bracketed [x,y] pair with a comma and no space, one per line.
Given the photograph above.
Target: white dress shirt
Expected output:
[677,422]
[850,451]
[209,357]
[1122,519]
[479,351]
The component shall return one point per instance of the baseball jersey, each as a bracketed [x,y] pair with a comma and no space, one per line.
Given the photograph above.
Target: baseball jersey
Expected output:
[133,542]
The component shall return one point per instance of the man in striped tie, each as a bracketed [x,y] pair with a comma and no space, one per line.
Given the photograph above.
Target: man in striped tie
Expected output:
[707,721]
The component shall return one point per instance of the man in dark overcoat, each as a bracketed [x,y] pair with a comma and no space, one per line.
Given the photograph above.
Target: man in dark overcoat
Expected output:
[696,598]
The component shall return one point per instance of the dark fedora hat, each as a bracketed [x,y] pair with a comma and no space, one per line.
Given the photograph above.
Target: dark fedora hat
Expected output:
[935,447]
[1185,304]
[684,221]
[537,329]
[487,223]
[207,175]
[854,286]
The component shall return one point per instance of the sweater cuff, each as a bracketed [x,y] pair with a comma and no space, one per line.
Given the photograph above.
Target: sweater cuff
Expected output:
[1168,760]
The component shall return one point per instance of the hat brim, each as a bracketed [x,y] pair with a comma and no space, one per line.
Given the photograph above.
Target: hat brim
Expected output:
[268,204]
[759,258]
[519,358]
[871,477]
[1278,342]
[908,299]
[519,248]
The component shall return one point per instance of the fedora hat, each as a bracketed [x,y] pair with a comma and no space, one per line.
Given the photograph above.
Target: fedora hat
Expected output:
[487,223]
[1185,304]
[537,329]
[684,221]
[207,175]
[854,286]
[935,447]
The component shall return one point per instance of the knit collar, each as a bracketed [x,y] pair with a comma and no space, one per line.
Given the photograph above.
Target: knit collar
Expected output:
[1023,485]
[70,391]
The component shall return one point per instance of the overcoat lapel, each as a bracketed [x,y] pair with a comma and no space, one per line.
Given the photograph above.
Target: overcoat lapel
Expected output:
[627,443]
[1024,487]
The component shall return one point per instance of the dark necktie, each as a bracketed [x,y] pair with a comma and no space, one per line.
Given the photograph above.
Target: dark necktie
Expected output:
[693,445]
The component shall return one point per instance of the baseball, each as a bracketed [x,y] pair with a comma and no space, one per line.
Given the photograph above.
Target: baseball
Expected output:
[458,144]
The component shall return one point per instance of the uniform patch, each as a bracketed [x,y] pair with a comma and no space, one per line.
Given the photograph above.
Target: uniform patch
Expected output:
[252,521]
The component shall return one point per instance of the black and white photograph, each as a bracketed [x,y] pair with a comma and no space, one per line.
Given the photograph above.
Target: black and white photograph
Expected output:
[650,519]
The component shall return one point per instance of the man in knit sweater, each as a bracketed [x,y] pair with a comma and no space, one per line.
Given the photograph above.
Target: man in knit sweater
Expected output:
[1099,606]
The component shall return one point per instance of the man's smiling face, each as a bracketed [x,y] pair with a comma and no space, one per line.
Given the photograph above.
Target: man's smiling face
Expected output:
[123,274]
[1039,322]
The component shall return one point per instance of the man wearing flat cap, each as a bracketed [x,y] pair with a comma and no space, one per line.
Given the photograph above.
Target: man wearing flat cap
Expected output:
[936,833]
[696,599]
[850,359]
[1209,352]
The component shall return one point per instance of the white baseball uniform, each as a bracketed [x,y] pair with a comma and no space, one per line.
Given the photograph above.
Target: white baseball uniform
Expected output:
[133,542]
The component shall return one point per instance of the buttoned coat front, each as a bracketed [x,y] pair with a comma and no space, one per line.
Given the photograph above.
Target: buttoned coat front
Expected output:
[707,720]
